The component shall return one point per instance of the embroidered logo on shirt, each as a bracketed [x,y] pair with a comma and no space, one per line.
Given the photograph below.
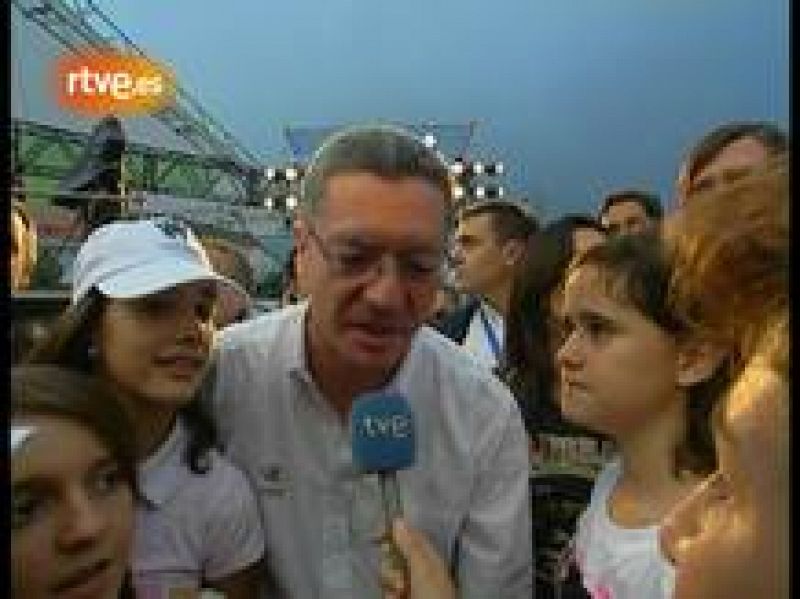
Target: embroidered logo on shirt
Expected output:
[165,591]
[274,480]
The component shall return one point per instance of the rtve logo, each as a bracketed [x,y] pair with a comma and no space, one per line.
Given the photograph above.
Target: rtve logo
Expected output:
[97,83]
[392,426]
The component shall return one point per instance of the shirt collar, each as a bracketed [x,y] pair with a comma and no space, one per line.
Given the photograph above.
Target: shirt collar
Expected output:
[493,315]
[294,345]
[161,474]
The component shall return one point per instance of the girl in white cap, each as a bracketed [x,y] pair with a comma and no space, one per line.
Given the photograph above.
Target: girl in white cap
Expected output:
[142,317]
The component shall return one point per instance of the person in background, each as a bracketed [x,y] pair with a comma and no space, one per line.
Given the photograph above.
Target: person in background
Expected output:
[565,457]
[24,331]
[732,537]
[726,153]
[630,211]
[229,260]
[371,236]
[23,247]
[142,318]
[488,244]
[72,473]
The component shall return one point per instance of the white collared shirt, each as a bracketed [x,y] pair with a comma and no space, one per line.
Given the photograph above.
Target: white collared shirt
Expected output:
[477,339]
[469,484]
[193,527]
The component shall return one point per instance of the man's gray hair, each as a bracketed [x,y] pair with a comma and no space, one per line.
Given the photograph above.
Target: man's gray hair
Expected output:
[382,150]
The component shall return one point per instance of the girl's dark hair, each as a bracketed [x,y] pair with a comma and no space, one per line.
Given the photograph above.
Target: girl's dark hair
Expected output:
[528,366]
[636,271]
[68,344]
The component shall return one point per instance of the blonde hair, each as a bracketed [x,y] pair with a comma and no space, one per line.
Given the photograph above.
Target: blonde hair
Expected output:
[730,248]
[30,247]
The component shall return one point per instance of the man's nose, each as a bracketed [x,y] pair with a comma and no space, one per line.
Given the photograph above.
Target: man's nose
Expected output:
[386,284]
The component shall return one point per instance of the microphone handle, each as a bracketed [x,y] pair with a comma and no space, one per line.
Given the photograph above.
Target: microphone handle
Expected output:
[392,508]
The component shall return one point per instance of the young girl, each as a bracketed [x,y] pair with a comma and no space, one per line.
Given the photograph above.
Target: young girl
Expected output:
[630,370]
[72,468]
[142,317]
[565,458]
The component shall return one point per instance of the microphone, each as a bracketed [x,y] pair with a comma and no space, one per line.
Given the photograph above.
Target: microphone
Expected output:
[384,441]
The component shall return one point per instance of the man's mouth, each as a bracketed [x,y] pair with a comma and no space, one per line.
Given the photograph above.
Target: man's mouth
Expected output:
[379,332]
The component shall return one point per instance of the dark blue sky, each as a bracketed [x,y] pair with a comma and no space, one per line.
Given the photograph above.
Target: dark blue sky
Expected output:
[575,96]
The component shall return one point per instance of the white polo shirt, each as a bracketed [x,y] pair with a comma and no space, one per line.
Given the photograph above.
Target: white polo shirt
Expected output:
[617,562]
[469,487]
[194,527]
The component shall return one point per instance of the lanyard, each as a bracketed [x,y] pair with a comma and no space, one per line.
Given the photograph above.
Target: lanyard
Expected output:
[494,344]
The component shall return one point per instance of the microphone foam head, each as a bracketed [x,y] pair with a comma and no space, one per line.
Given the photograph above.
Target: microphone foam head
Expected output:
[382,432]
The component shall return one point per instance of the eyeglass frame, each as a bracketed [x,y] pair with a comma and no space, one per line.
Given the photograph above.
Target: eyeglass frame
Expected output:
[406,268]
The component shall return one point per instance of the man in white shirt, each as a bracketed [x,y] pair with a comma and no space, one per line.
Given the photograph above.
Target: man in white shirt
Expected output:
[489,242]
[371,235]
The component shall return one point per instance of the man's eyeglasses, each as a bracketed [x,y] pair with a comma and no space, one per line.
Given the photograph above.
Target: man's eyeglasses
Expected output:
[355,259]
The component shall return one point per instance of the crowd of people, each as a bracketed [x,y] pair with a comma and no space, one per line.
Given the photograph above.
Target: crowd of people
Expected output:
[589,420]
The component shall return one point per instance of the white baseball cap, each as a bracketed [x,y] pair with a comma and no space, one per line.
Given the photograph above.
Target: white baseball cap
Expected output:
[130,259]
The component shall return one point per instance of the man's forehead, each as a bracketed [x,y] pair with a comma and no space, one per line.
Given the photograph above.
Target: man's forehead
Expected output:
[475,223]
[625,207]
[742,153]
[356,179]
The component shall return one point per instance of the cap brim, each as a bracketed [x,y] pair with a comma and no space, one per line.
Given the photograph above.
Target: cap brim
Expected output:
[161,275]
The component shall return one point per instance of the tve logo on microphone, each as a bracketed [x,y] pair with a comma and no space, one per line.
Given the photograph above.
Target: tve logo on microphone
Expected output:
[95,83]
[382,432]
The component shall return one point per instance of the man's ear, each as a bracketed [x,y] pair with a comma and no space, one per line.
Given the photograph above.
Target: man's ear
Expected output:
[300,234]
[698,360]
[513,249]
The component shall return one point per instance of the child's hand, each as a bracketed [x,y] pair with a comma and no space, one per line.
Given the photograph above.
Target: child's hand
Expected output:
[426,575]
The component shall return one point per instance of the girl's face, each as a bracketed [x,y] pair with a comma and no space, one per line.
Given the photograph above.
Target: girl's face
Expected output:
[157,347]
[730,538]
[71,514]
[618,369]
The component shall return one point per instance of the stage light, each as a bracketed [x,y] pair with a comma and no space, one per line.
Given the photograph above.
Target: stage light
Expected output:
[291,174]
[480,192]
[429,140]
[291,202]
[269,203]
[477,168]
[495,191]
[270,173]
[457,168]
[494,169]
[458,192]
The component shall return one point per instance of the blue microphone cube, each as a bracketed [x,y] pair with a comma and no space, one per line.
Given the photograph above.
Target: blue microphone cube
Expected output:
[382,432]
